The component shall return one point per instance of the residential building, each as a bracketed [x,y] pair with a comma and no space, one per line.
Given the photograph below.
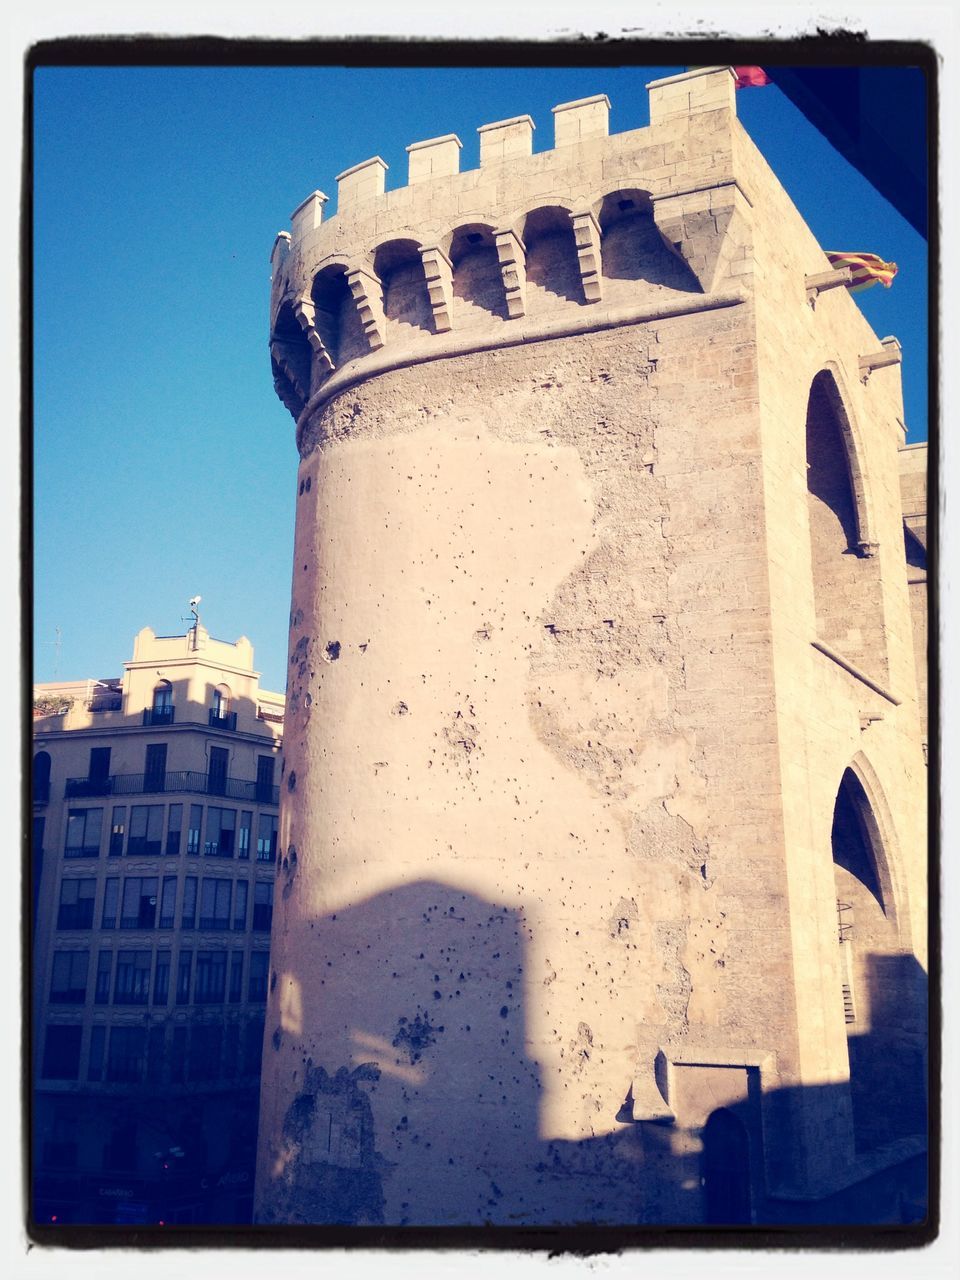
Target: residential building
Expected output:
[155,806]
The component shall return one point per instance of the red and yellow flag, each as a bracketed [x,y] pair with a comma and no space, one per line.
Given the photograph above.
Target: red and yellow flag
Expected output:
[750,77]
[866,270]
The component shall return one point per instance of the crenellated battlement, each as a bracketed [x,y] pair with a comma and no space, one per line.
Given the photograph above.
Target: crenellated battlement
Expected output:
[614,225]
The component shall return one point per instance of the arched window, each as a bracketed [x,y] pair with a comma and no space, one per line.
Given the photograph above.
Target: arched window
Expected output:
[406,302]
[883,988]
[552,267]
[846,573]
[221,714]
[336,318]
[636,260]
[41,777]
[161,711]
[478,292]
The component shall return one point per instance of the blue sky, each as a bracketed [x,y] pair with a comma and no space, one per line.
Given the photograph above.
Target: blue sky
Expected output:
[164,464]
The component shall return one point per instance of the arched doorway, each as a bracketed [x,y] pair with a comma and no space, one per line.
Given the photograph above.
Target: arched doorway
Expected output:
[883,988]
[726,1170]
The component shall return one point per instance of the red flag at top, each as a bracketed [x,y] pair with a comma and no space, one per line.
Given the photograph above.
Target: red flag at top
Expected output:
[750,77]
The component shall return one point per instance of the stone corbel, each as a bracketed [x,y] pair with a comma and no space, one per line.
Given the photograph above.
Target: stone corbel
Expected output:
[890,353]
[306,314]
[868,550]
[367,294]
[707,227]
[438,271]
[818,284]
[288,380]
[512,254]
[586,235]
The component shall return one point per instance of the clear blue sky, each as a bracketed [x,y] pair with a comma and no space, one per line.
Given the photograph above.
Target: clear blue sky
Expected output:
[164,464]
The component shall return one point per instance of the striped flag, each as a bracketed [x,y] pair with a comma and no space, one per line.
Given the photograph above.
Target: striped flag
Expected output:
[866,269]
[750,77]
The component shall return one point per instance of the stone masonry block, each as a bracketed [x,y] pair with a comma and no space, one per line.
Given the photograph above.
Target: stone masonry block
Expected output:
[362,182]
[434,158]
[505,140]
[692,93]
[585,118]
[307,215]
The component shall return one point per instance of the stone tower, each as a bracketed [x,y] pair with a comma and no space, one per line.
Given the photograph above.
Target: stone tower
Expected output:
[601,894]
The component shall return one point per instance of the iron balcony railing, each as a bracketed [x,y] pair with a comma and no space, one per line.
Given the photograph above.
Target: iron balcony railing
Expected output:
[158,715]
[226,721]
[189,780]
[88,786]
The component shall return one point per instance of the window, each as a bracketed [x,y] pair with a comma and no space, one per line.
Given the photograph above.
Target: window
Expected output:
[221,717]
[178,1055]
[240,906]
[211,978]
[205,1041]
[184,966]
[231,1049]
[267,837]
[101,994]
[217,771]
[161,978]
[61,1147]
[125,1055]
[41,777]
[243,836]
[98,771]
[215,904]
[168,902]
[61,1053]
[236,977]
[264,791]
[120,1153]
[193,831]
[174,829]
[221,824]
[188,912]
[76,904]
[162,710]
[146,829]
[263,905]
[253,1047]
[132,983]
[156,1043]
[83,833]
[259,965]
[139,909]
[118,826]
[69,982]
[111,900]
[98,1043]
[155,767]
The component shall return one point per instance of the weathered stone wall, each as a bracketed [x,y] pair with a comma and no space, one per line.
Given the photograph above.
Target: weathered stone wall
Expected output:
[557,884]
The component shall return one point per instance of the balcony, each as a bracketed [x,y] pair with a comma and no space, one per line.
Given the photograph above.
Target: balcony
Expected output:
[227,721]
[87,786]
[158,715]
[191,781]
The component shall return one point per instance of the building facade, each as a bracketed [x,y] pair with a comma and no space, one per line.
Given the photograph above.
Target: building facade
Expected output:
[603,851]
[155,808]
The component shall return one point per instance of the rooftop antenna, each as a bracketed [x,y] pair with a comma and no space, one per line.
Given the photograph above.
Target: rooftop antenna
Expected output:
[195,611]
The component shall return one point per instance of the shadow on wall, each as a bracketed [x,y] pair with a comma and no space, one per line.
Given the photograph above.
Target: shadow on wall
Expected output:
[418,1105]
